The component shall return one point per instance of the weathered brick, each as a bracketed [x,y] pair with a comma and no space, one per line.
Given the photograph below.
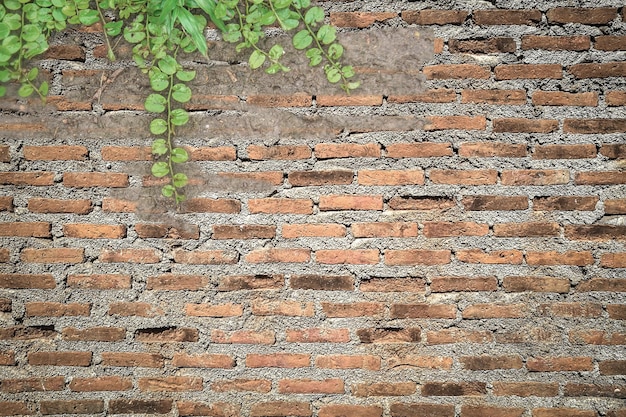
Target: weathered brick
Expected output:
[347,150]
[261,307]
[278,360]
[417,257]
[186,231]
[167,335]
[55,153]
[465,177]
[456,71]
[323,282]
[439,95]
[6,203]
[463,284]
[280,206]
[359,19]
[243,232]
[170,384]
[434,17]
[214,310]
[385,389]
[526,389]
[610,43]
[351,100]
[598,70]
[14,408]
[60,358]
[265,337]
[596,337]
[455,123]
[53,255]
[51,309]
[269,100]
[25,229]
[594,390]
[368,362]
[600,178]
[209,205]
[535,229]
[426,362]
[32,384]
[103,383]
[396,229]
[450,336]
[96,334]
[40,178]
[613,260]
[95,179]
[565,203]
[419,150]
[279,255]
[482,46]
[615,206]
[563,412]
[536,284]
[588,16]
[478,256]
[281,409]
[495,311]
[391,177]
[94,231]
[335,202]
[71,407]
[294,231]
[132,359]
[519,125]
[135,406]
[421,203]
[495,202]
[27,332]
[242,385]
[347,410]
[615,98]
[490,411]
[560,98]
[468,388]
[250,282]
[602,284]
[206,257]
[389,335]
[614,150]
[280,152]
[591,126]
[595,232]
[535,177]
[612,367]
[489,362]
[348,256]
[556,43]
[506,17]
[571,309]
[559,364]
[409,285]
[99,281]
[140,256]
[126,153]
[578,258]
[450,229]
[320,178]
[512,97]
[423,310]
[50,205]
[528,71]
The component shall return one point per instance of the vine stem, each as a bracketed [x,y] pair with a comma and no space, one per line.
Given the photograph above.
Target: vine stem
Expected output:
[170,145]
[110,53]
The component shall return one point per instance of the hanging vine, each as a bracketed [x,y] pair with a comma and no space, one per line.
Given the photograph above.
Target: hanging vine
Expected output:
[161,31]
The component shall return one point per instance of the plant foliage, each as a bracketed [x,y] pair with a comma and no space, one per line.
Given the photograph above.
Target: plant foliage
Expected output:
[161,31]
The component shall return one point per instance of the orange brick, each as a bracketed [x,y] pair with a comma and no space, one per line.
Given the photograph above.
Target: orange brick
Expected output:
[51,309]
[175,282]
[50,205]
[209,205]
[278,360]
[294,231]
[95,179]
[317,335]
[359,19]
[615,206]
[613,260]
[473,177]
[615,98]
[350,202]
[397,229]
[351,100]
[280,206]
[94,231]
[600,178]
[126,153]
[535,177]
[528,71]
[417,257]
[103,383]
[348,256]
[214,310]
[478,256]
[206,360]
[290,255]
[598,70]
[292,100]
[140,256]
[455,122]
[391,177]
[284,152]
[419,150]
[536,284]
[347,150]
[54,255]
[129,309]
[206,257]
[409,285]
[347,410]
[556,43]
[281,408]
[560,98]
[377,389]
[27,178]
[25,229]
[55,153]
[581,258]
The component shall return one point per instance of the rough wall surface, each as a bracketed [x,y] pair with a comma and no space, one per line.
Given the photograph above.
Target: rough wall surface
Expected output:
[448,242]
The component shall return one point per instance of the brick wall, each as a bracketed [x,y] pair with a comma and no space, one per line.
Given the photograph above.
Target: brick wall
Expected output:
[448,242]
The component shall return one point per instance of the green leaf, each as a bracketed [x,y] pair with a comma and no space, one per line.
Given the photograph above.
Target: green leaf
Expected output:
[208,6]
[354,85]
[180,198]
[332,74]
[88,17]
[159,147]
[257,59]
[268,18]
[273,69]
[160,169]
[315,56]
[347,71]
[3,12]
[185,75]
[181,93]
[158,80]
[326,34]
[276,52]
[155,103]
[4,30]
[60,18]
[302,40]
[290,24]
[179,117]
[281,4]
[179,155]
[59,3]
[69,10]
[32,74]
[12,4]
[30,33]
[314,15]
[114,28]
[168,65]
[194,29]
[335,51]
[168,190]
[134,37]
[180,180]
[43,88]
[301,4]
[25,90]
[13,20]
[3,91]
[158,126]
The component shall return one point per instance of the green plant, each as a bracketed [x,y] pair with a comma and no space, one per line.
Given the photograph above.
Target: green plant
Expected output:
[162,30]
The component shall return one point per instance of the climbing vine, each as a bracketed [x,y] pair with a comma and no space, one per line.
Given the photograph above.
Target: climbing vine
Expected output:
[161,31]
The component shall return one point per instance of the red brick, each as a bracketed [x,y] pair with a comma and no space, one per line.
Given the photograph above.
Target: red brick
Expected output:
[535,177]
[463,284]
[114,205]
[613,260]
[251,282]
[391,177]
[417,257]
[478,256]
[588,16]
[600,178]
[526,389]
[409,285]
[33,384]
[281,409]
[453,335]
[323,282]
[65,52]
[469,177]
[560,98]
[469,388]
[615,206]
[456,72]
[94,231]
[556,43]
[616,311]
[55,153]
[59,358]
[279,255]
[320,178]
[506,17]
[71,407]
[426,362]
[495,311]
[559,364]
[242,385]
[598,70]
[294,231]
[27,333]
[292,100]
[603,284]
[262,307]
[99,281]
[310,386]
[421,203]
[614,150]
[434,17]
[206,257]
[419,150]
[175,282]
[451,229]
[565,203]
[595,232]
[368,362]
[25,229]
[139,256]
[490,411]
[571,309]
[185,231]
[351,100]
[482,46]
[518,125]
[512,97]
[265,337]
[580,258]
[14,408]
[423,310]
[280,206]
[95,179]
[167,335]
[528,71]
[596,337]
[97,334]
[439,95]
[280,152]
[134,406]
[610,43]
[562,412]
[214,310]
[384,229]
[170,384]
[359,19]
[495,202]
[389,335]
[421,409]
[209,205]
[50,205]
[347,410]
[377,389]
[615,98]
[132,359]
[613,367]
[103,383]
[347,150]
[536,284]
[40,178]
[348,256]
[489,362]
[51,309]
[455,122]
[53,255]
[350,202]
[278,360]
[535,229]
